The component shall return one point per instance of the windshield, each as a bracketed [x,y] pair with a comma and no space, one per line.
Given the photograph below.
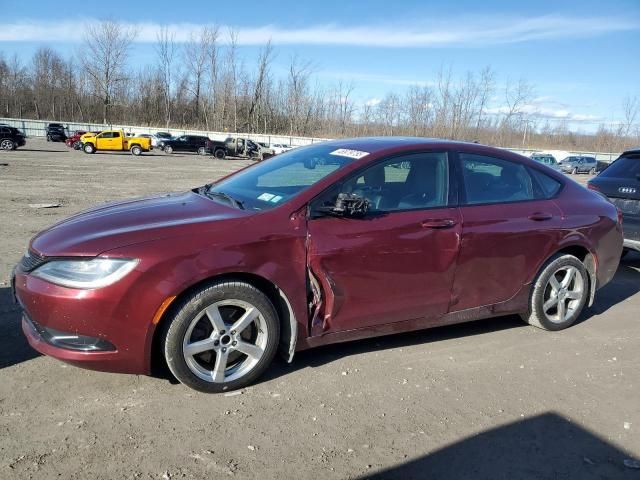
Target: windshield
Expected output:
[274,181]
[624,167]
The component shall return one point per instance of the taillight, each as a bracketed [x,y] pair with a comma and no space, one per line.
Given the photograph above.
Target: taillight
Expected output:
[591,186]
[619,216]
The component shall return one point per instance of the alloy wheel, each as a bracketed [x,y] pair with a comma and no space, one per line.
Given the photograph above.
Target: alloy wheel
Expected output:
[563,294]
[225,341]
[6,145]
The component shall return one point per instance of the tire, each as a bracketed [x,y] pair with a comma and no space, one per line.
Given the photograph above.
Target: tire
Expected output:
[202,151]
[88,148]
[136,150]
[573,295]
[48,138]
[77,145]
[592,171]
[220,154]
[574,171]
[168,149]
[7,144]
[223,304]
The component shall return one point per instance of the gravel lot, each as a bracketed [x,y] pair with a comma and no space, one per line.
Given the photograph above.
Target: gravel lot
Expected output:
[490,399]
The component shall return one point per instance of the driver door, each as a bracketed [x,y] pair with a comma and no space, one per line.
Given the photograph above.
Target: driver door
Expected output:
[397,262]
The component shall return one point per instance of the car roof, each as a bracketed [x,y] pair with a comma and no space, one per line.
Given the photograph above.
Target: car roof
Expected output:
[632,150]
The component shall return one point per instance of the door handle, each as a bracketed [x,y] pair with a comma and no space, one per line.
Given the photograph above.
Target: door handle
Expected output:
[540,216]
[438,223]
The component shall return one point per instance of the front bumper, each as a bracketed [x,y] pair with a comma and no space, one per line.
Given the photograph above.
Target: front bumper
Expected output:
[56,320]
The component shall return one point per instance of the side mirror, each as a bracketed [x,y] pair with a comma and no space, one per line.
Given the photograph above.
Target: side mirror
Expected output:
[348,205]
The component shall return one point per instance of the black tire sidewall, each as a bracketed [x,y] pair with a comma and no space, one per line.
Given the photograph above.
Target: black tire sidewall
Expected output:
[540,284]
[219,154]
[184,313]
[168,149]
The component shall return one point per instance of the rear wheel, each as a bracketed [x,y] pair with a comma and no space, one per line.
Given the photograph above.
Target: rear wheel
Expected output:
[559,293]
[202,151]
[77,145]
[222,337]
[592,171]
[168,149]
[88,148]
[7,144]
[136,150]
[574,171]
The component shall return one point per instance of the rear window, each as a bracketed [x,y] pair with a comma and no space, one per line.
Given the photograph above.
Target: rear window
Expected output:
[627,166]
[547,187]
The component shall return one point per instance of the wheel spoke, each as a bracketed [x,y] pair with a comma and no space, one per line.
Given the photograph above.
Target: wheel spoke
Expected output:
[574,294]
[566,281]
[221,365]
[249,349]
[198,347]
[247,319]
[555,286]
[213,313]
[550,303]
[562,308]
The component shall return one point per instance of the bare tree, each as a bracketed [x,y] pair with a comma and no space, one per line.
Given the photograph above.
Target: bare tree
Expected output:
[264,61]
[104,59]
[166,51]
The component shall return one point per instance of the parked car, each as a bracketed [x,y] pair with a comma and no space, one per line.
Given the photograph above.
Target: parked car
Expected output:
[244,147]
[579,164]
[620,182]
[546,158]
[74,140]
[11,138]
[280,148]
[330,242]
[55,132]
[186,143]
[115,140]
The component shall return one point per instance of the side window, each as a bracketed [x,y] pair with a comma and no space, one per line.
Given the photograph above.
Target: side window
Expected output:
[545,186]
[409,182]
[493,180]
[116,134]
[106,135]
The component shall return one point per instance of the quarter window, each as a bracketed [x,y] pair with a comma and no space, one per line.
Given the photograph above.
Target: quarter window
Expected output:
[493,180]
[547,187]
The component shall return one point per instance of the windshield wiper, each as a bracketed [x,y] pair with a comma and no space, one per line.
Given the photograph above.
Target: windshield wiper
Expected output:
[209,193]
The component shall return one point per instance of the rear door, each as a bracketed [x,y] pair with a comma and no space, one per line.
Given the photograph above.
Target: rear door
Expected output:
[398,262]
[509,225]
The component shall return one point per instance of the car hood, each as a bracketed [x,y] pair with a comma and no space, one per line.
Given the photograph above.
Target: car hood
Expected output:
[135,221]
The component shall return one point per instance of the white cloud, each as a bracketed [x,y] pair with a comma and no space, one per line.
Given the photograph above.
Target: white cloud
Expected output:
[542,112]
[454,32]
[372,102]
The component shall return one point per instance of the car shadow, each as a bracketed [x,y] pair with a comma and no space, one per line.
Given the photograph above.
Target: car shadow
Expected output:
[14,347]
[625,284]
[543,446]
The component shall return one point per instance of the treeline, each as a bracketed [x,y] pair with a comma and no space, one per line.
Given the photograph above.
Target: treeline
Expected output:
[205,84]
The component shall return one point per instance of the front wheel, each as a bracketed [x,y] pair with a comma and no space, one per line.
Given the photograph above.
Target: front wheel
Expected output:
[168,149]
[559,293]
[77,145]
[592,171]
[574,170]
[89,148]
[7,144]
[221,337]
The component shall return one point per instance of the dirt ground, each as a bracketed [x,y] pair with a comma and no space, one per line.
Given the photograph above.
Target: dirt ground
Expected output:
[491,399]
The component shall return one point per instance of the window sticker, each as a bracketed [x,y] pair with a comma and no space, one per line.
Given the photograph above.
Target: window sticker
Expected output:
[265,197]
[276,199]
[345,152]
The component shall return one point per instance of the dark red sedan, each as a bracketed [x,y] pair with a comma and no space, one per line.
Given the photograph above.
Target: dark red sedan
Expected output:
[327,243]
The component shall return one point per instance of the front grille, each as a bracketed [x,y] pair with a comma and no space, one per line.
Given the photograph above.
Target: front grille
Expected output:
[627,205]
[30,261]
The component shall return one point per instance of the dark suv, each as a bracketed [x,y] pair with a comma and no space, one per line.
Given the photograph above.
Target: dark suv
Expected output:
[196,144]
[11,138]
[56,132]
[620,182]
[579,164]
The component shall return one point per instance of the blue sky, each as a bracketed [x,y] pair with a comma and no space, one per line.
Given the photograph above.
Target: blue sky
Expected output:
[583,57]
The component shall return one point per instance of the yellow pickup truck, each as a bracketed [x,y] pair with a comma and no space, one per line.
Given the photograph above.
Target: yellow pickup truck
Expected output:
[114,140]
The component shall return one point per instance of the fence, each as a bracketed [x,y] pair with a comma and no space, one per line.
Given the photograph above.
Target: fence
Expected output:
[36,128]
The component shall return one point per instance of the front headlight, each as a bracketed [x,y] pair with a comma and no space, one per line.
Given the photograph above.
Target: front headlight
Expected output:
[94,273]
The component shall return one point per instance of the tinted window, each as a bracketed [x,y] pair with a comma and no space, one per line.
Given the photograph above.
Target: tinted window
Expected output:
[547,187]
[116,134]
[493,180]
[408,182]
[106,135]
[627,166]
